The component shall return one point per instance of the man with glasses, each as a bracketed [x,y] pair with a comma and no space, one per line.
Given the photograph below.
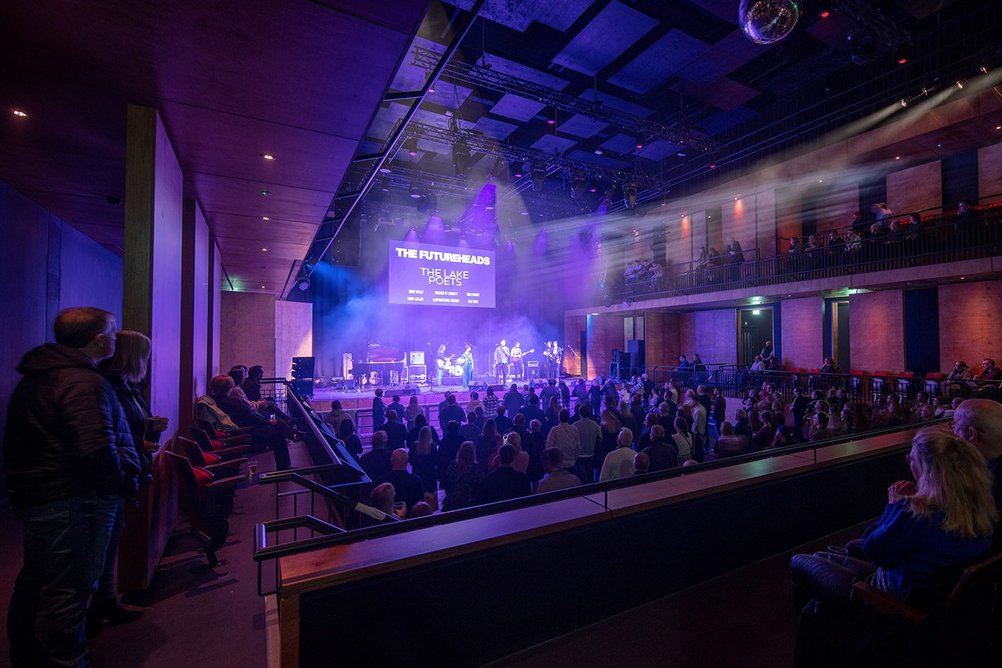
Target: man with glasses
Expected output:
[979,421]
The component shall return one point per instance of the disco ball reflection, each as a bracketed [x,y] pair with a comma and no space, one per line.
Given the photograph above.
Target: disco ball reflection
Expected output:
[768,21]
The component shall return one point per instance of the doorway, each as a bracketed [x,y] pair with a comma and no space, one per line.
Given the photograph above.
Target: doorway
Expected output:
[837,333]
[755,327]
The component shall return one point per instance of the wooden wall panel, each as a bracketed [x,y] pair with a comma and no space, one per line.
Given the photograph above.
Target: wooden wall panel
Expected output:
[662,338]
[989,172]
[916,188]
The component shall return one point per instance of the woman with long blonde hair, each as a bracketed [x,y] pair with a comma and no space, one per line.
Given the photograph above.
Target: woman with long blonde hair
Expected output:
[931,529]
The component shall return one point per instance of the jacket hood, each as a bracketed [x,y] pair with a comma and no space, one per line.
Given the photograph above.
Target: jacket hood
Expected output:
[53,356]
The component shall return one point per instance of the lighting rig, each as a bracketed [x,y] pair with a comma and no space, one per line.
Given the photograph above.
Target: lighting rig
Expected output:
[484,76]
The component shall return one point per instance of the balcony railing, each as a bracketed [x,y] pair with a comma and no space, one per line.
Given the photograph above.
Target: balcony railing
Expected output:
[899,245]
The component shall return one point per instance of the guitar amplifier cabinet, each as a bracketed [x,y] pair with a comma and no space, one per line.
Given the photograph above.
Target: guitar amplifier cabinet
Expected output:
[417,373]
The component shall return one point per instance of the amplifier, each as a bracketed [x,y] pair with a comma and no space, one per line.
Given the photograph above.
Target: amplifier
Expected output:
[416,358]
[532,364]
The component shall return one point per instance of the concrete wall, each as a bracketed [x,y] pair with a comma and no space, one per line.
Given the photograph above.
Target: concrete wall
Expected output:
[877,331]
[802,333]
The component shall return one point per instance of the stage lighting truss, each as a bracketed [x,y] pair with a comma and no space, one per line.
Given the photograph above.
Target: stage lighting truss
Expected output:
[483,76]
[479,143]
[864,15]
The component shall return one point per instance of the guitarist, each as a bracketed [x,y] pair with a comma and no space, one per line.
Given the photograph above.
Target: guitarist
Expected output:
[441,363]
[517,363]
[501,356]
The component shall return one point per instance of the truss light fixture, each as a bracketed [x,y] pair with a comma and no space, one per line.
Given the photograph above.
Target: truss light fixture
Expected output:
[20,113]
[825,13]
[538,176]
[267,156]
[598,151]
[411,145]
[461,158]
[265,218]
[265,193]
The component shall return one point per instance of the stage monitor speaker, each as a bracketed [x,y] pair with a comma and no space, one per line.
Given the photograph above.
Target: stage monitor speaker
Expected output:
[637,351]
[416,357]
[303,388]
[302,367]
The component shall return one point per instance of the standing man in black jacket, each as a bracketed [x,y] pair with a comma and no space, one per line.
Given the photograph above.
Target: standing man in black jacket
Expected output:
[69,459]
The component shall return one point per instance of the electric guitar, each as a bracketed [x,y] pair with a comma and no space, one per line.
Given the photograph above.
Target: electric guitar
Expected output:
[444,363]
[518,358]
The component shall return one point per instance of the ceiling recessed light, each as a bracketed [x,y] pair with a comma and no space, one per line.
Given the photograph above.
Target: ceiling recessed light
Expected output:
[681,154]
[262,287]
[639,146]
[598,151]
[265,193]
[998,127]
[825,14]
[897,157]
[264,250]
[713,165]
[821,180]
[267,156]
[385,170]
[265,218]
[962,277]
[22,114]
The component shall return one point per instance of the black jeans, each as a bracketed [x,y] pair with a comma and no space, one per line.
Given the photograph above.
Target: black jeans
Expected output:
[65,542]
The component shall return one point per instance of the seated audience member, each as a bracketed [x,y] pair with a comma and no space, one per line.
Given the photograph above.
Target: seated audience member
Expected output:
[741,425]
[763,432]
[376,462]
[557,476]
[251,387]
[619,462]
[347,435]
[979,422]
[396,433]
[566,438]
[450,411]
[422,509]
[505,482]
[819,428]
[381,497]
[461,479]
[929,531]
[989,371]
[730,443]
[337,416]
[641,464]
[409,487]
[512,400]
[265,433]
[661,455]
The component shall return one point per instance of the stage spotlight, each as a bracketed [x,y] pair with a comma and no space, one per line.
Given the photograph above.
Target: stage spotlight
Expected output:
[630,195]
[303,283]
[411,145]
[461,158]
[538,176]
[415,191]
[862,45]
